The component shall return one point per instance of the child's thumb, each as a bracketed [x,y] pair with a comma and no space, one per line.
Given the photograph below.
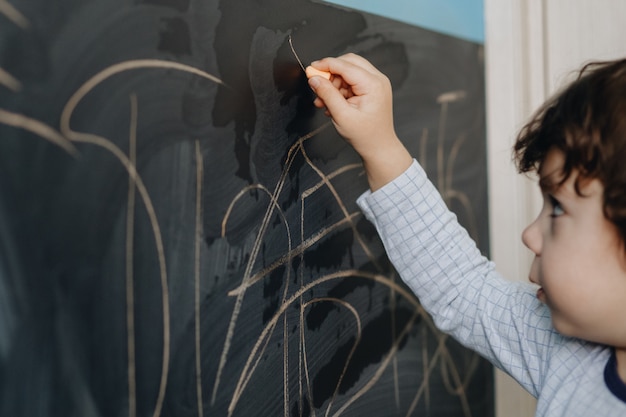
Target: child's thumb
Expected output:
[328,93]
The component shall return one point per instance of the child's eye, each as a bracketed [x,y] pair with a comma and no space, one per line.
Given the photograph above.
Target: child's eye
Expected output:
[557,209]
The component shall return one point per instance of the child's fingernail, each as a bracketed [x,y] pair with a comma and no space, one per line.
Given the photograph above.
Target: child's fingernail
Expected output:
[314,82]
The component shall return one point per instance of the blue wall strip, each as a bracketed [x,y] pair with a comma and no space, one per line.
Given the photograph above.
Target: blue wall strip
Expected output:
[461,18]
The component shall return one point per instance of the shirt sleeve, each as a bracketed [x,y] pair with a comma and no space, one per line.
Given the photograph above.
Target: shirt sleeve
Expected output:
[501,320]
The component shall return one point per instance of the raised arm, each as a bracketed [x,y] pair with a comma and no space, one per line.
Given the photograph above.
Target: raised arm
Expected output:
[432,252]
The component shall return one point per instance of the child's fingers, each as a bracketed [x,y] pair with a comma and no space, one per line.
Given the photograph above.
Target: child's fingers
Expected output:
[329,95]
[337,81]
[319,103]
[346,92]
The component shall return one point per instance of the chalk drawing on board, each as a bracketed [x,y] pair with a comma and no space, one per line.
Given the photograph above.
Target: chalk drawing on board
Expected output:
[13,14]
[299,290]
[17,18]
[250,277]
[136,181]
[41,129]
[64,139]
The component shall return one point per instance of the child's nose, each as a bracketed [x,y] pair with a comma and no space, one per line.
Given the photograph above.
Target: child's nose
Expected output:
[531,236]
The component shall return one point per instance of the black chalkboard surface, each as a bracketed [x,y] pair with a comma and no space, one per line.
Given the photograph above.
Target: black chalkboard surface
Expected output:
[178,227]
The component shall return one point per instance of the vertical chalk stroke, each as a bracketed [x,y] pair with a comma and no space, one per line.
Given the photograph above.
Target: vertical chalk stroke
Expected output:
[429,367]
[350,354]
[357,319]
[392,307]
[286,366]
[303,372]
[444,100]
[130,292]
[426,365]
[448,369]
[303,369]
[445,169]
[197,243]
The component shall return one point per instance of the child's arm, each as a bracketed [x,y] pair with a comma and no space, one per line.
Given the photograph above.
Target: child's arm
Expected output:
[432,252]
[359,102]
[457,286]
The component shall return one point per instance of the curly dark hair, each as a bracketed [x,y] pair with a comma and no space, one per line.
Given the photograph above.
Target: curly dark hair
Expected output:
[587,122]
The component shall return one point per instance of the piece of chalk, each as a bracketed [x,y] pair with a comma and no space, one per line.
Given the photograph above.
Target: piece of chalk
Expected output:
[310,72]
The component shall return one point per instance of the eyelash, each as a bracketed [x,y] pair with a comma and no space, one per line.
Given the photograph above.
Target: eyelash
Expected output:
[557,209]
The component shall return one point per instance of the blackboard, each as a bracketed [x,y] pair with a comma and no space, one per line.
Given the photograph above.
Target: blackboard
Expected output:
[178,227]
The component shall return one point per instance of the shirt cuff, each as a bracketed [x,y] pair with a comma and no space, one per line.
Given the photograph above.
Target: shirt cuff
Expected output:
[387,197]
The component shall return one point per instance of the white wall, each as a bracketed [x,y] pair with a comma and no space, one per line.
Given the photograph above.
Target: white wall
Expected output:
[531,47]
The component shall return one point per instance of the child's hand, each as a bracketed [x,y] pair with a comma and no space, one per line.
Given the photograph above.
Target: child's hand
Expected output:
[358,98]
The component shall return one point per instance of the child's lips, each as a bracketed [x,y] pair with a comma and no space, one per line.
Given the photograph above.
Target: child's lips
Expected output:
[541,295]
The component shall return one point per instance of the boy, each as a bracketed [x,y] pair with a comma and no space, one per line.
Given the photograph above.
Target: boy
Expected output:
[563,338]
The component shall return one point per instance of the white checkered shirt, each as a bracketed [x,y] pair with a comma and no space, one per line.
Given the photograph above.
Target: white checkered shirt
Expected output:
[501,320]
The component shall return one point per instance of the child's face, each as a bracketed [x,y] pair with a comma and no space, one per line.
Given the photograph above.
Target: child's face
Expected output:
[579,262]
